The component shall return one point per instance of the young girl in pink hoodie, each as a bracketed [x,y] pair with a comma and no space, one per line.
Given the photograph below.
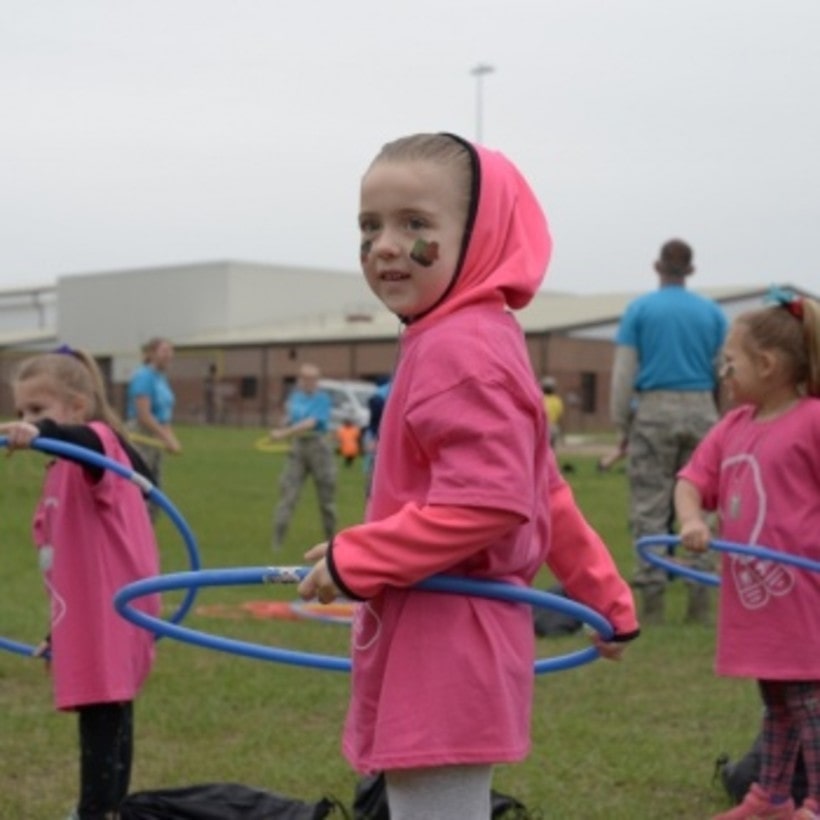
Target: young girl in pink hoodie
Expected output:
[452,238]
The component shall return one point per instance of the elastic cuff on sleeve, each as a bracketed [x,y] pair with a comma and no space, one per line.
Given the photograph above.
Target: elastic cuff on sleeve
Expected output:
[334,574]
[46,427]
[627,636]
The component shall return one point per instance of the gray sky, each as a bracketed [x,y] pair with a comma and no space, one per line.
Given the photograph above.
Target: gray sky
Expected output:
[156,132]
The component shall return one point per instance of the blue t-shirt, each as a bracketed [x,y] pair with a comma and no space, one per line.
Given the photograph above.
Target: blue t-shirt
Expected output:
[678,336]
[147,381]
[314,405]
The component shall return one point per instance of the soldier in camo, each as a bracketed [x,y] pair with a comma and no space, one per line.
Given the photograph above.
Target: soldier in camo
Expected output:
[664,385]
[311,453]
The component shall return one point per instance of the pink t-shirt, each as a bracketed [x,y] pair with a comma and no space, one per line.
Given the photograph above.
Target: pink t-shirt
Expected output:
[763,478]
[92,539]
[464,426]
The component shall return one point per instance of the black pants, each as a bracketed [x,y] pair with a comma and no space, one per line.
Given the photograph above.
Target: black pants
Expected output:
[106,752]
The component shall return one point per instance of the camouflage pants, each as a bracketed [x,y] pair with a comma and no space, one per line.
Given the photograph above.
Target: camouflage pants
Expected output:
[310,455]
[153,457]
[664,433]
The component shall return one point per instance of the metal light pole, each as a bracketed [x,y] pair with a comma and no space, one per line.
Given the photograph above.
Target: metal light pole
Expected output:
[478,71]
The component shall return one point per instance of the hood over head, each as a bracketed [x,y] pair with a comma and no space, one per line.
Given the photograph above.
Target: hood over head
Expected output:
[507,244]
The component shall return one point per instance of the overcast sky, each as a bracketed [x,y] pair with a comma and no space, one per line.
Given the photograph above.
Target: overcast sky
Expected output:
[156,132]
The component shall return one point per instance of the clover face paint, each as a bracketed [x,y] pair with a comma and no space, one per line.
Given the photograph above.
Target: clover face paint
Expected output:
[424,252]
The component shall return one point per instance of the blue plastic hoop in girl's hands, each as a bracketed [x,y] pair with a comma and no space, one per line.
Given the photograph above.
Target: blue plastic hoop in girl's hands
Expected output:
[263,575]
[645,544]
[18,648]
[94,459]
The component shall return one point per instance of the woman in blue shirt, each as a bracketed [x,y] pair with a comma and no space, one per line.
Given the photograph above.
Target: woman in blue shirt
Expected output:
[150,407]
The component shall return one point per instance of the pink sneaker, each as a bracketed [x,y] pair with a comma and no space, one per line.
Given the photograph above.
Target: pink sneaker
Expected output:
[810,810]
[757,806]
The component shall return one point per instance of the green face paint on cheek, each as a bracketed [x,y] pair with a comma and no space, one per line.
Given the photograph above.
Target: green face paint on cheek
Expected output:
[424,252]
[364,250]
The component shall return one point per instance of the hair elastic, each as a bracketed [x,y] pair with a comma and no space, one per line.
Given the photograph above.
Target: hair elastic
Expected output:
[788,299]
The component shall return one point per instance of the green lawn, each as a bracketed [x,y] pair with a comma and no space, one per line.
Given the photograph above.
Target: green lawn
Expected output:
[635,740]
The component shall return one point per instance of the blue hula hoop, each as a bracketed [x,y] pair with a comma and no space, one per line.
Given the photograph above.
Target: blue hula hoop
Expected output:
[645,545]
[18,648]
[263,575]
[94,459]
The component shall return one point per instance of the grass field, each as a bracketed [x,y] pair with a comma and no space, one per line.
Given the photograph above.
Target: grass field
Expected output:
[635,740]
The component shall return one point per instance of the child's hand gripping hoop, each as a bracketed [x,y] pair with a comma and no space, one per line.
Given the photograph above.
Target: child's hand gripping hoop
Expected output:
[94,459]
[291,575]
[645,545]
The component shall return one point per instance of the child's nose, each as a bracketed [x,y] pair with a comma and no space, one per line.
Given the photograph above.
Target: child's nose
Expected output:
[386,245]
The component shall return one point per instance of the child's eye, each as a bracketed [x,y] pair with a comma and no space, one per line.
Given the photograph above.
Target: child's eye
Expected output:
[415,223]
[368,225]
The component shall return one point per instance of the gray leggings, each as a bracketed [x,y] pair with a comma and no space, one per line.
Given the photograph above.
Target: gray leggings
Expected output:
[441,793]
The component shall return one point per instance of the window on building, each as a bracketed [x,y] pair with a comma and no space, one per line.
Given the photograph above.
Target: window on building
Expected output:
[248,387]
[589,392]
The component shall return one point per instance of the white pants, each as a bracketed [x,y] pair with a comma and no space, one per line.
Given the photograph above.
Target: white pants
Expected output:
[441,793]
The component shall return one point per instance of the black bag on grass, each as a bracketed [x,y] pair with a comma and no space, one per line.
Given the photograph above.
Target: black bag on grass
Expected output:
[551,622]
[370,802]
[737,776]
[220,801]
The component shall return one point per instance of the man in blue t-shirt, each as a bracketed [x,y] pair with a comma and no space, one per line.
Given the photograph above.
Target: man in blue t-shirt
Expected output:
[663,399]
[308,419]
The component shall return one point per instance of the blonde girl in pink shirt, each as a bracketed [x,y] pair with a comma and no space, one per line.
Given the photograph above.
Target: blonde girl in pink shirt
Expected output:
[93,535]
[453,239]
[759,468]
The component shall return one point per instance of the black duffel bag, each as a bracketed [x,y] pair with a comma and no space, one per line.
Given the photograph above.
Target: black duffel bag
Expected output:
[222,801]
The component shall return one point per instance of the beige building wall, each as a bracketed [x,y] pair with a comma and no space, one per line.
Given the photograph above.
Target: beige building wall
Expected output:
[114,313]
[256,324]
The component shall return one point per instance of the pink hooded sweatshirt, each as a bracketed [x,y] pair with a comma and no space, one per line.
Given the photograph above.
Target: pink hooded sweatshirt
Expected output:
[465,484]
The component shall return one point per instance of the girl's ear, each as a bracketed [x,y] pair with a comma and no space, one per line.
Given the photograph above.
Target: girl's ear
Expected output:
[768,363]
[80,407]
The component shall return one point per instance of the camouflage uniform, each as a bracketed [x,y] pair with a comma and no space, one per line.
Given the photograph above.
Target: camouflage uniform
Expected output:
[312,454]
[667,426]
[667,347]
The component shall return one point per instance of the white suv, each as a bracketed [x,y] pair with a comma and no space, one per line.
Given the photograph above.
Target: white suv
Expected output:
[348,400]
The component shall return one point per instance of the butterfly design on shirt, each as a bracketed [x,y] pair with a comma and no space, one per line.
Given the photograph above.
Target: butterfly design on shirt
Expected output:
[756,580]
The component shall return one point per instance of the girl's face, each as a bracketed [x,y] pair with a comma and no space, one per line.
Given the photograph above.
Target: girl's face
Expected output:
[39,398]
[412,220]
[740,369]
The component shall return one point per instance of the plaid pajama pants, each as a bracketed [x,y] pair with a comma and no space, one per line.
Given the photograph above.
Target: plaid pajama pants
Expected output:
[791,723]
